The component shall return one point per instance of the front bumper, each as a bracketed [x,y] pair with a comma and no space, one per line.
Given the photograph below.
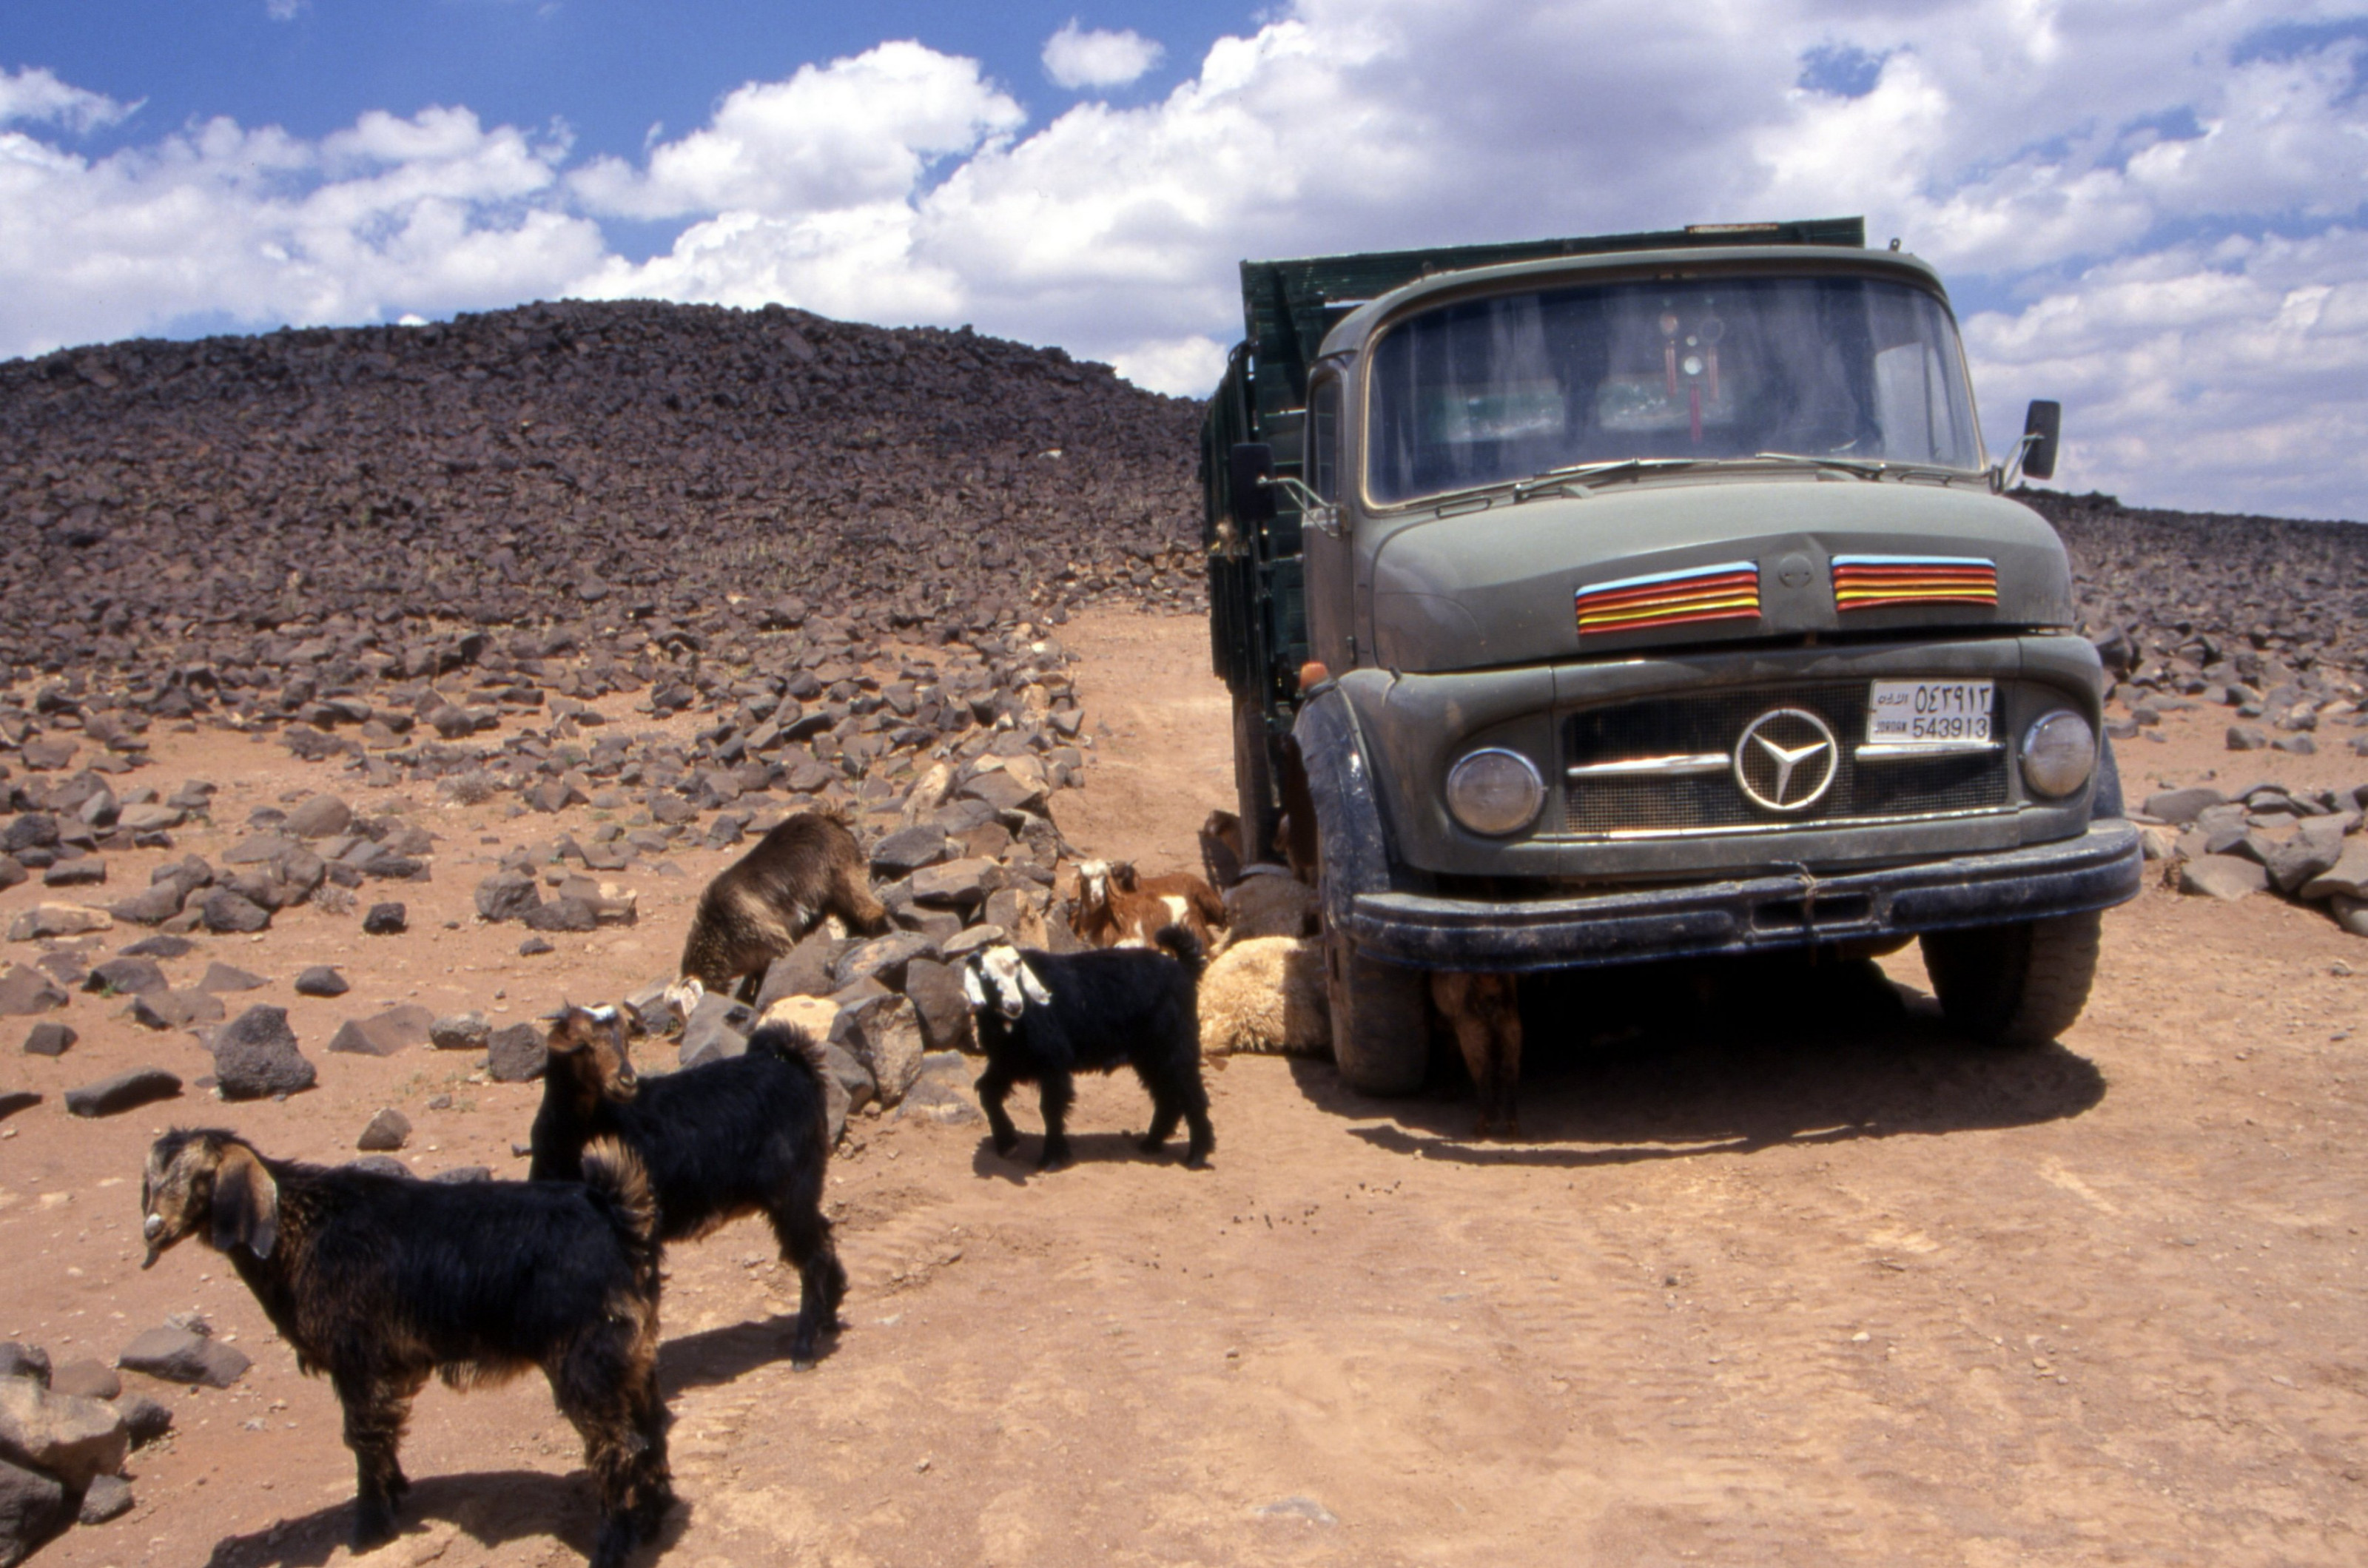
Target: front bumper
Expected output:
[2102,868]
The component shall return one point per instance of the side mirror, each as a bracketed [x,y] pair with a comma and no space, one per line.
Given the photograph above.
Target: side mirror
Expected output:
[2042,429]
[1249,468]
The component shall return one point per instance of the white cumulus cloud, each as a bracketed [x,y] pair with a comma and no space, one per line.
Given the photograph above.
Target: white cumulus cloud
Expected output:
[2157,213]
[1083,57]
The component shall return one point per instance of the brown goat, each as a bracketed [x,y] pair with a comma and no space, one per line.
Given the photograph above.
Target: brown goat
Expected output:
[1118,908]
[1485,1012]
[759,906]
[383,1281]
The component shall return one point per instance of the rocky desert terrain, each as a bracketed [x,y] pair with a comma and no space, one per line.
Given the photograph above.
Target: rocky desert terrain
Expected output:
[370,692]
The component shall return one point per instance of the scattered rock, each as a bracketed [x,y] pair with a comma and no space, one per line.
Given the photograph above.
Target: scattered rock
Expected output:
[230,913]
[383,1034]
[25,990]
[73,1438]
[24,1361]
[390,1128]
[515,1054]
[385,920]
[2228,877]
[145,1419]
[176,1010]
[33,1507]
[46,920]
[221,977]
[125,1091]
[2346,877]
[2244,738]
[535,947]
[717,1028]
[322,816]
[255,1054]
[179,1356]
[887,1040]
[507,895]
[49,1039]
[107,1497]
[460,1031]
[320,980]
[86,1379]
[936,993]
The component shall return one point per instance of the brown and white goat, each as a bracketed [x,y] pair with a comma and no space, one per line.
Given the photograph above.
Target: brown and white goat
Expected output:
[381,1281]
[1117,907]
[1485,1012]
[759,906]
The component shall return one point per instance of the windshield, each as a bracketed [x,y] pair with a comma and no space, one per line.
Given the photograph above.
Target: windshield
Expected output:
[1496,390]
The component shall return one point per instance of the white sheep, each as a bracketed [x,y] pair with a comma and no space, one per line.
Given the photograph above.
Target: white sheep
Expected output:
[1266,994]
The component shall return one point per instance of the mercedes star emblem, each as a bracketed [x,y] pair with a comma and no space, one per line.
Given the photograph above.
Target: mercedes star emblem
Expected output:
[1786,760]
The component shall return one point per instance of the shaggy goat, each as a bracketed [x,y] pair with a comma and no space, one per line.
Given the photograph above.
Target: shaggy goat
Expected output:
[1266,994]
[1485,1013]
[1043,1018]
[1118,907]
[749,1134]
[759,907]
[380,1281]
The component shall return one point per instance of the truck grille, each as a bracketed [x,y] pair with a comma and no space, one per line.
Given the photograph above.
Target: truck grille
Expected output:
[1709,723]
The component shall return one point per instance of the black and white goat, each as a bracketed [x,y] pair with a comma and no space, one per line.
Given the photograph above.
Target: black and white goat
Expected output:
[1041,1018]
[381,1281]
[747,1135]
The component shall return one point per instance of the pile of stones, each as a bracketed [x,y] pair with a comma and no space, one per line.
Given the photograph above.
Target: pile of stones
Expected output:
[2304,844]
[67,1430]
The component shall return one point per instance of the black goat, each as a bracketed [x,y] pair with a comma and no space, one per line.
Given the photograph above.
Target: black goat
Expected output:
[745,1135]
[1041,1018]
[380,1280]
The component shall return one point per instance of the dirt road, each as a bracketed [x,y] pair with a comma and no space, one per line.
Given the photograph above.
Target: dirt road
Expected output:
[1783,1275]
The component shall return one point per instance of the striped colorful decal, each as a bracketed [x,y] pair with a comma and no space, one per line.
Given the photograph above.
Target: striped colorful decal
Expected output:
[1725,592]
[1871,581]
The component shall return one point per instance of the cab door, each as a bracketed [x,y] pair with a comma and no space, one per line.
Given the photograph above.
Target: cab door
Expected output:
[1329,558]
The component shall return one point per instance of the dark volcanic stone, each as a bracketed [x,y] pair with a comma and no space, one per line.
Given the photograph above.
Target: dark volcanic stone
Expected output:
[562,915]
[33,1507]
[159,947]
[507,895]
[386,1033]
[390,1128]
[222,977]
[24,990]
[153,905]
[178,1355]
[320,980]
[228,913]
[515,1054]
[127,977]
[322,816]
[107,1497]
[386,920]
[176,1010]
[255,1054]
[50,1038]
[125,1091]
[143,1418]
[87,872]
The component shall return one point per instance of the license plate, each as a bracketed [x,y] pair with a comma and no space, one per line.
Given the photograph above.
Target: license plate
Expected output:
[1928,713]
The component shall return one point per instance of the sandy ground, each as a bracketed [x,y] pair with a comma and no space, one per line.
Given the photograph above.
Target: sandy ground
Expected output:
[1806,1281]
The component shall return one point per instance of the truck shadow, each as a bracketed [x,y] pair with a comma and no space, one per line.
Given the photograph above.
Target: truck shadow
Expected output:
[491,1509]
[1678,1062]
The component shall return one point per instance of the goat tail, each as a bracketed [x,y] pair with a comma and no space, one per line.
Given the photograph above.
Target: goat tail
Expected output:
[787,1042]
[619,1183]
[1185,948]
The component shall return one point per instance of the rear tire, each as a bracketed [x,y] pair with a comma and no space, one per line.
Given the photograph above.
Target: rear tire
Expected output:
[1254,782]
[2015,985]
[1380,1029]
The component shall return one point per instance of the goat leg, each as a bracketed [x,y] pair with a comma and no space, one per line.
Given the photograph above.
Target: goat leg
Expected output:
[376,1407]
[1055,1094]
[1165,1115]
[993,1085]
[804,1237]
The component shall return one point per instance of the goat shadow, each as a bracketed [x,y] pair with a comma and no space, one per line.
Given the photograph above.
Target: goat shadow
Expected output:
[1678,1061]
[492,1508]
[1125,1147]
[716,1355]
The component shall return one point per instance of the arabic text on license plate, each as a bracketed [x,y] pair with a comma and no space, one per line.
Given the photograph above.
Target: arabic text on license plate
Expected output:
[1928,713]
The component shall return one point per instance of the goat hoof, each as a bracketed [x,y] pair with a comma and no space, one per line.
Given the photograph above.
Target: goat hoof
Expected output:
[371,1534]
[1151,1145]
[1005,1145]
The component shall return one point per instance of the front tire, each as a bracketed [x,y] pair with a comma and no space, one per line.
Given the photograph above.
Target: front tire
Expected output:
[2013,985]
[1380,1031]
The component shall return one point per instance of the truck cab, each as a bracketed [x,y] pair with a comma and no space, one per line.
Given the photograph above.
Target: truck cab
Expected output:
[1646,597]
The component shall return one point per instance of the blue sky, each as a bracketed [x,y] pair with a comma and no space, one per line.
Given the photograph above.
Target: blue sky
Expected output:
[2156,211]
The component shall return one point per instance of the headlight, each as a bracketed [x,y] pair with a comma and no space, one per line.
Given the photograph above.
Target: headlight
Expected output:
[1495,792]
[2059,752]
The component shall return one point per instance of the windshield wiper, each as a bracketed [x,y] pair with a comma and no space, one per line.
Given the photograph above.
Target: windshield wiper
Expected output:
[1553,478]
[1865,468]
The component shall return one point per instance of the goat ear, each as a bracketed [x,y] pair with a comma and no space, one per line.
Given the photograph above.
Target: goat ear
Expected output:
[973,991]
[1032,987]
[246,1203]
